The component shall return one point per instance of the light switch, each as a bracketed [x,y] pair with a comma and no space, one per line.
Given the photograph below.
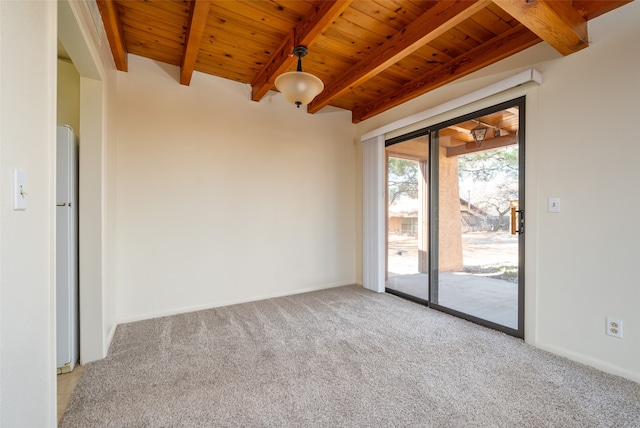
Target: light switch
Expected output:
[554,205]
[19,190]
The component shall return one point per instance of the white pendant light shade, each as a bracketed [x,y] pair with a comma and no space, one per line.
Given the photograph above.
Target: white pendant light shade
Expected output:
[298,87]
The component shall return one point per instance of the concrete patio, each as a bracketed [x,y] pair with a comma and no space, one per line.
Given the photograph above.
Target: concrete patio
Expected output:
[492,299]
[480,295]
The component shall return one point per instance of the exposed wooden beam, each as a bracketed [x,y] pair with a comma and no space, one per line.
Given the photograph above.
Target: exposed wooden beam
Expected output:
[555,22]
[500,47]
[318,19]
[312,25]
[434,22]
[115,34]
[492,143]
[198,13]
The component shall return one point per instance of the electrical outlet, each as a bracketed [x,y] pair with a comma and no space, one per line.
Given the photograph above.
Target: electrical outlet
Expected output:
[614,327]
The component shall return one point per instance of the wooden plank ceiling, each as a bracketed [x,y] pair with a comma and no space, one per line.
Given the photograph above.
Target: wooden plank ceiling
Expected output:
[372,55]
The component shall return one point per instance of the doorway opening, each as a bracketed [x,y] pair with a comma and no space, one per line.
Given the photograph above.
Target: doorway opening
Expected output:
[455,216]
[85,115]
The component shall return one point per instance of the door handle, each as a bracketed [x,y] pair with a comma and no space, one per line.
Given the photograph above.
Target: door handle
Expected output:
[520,229]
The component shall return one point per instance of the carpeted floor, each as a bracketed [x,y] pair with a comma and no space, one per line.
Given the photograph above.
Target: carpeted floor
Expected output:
[343,357]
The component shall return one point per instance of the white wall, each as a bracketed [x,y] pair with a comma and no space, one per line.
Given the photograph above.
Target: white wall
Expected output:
[222,199]
[588,155]
[582,146]
[27,269]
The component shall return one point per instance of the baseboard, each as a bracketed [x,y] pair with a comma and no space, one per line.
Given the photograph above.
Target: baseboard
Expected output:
[589,361]
[188,309]
[64,369]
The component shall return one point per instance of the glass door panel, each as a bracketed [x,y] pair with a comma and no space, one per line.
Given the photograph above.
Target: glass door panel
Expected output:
[407,214]
[478,219]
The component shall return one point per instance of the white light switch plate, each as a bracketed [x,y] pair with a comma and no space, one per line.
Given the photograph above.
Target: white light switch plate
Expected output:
[19,190]
[554,205]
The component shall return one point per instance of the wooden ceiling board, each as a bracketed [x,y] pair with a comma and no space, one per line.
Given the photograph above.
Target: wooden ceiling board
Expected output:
[401,75]
[349,101]
[223,69]
[243,46]
[490,22]
[164,40]
[173,33]
[300,7]
[423,4]
[324,65]
[371,55]
[368,92]
[159,8]
[377,18]
[154,18]
[128,14]
[374,87]
[406,9]
[432,55]
[476,30]
[289,11]
[228,18]
[155,31]
[497,18]
[154,52]
[463,41]
[453,43]
[332,41]
[227,49]
[342,44]
[426,54]
[251,13]
[217,30]
[230,39]
[323,59]
[368,38]
[408,69]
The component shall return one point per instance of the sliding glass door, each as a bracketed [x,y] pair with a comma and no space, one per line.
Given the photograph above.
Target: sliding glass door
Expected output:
[478,227]
[455,216]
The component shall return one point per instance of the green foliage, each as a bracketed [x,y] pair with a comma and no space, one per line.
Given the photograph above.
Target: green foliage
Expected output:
[495,177]
[403,179]
[487,164]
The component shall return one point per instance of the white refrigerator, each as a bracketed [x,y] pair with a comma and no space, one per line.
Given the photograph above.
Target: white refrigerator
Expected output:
[67,311]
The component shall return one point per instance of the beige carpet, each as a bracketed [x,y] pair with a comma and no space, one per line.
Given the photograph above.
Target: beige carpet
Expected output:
[343,357]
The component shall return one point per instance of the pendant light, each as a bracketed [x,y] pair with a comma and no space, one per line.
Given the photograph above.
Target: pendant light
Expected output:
[478,133]
[298,87]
